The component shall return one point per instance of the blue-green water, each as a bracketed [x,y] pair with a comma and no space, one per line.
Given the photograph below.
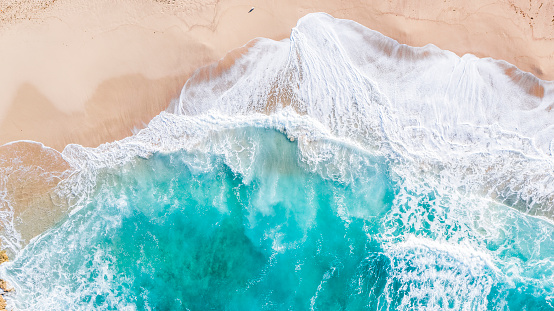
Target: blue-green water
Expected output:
[334,170]
[166,233]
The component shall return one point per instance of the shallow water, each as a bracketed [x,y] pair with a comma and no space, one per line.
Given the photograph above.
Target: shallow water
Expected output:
[337,170]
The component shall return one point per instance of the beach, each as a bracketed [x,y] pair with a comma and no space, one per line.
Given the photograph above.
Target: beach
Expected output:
[90,72]
[204,154]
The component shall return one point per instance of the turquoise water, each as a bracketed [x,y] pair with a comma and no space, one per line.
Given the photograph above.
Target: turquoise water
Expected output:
[165,233]
[334,170]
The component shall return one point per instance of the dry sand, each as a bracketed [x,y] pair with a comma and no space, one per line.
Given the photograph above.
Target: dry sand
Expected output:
[91,71]
[88,72]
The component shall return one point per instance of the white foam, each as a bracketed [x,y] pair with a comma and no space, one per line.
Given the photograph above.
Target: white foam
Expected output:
[463,114]
[454,128]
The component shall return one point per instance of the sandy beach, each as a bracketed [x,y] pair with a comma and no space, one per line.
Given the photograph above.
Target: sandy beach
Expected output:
[90,72]
[335,170]
[31,171]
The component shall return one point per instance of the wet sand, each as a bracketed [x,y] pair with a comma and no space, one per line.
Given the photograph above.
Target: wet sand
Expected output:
[29,173]
[89,72]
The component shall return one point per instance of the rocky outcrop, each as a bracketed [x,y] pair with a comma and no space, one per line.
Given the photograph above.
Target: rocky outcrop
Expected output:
[4,286]
[3,257]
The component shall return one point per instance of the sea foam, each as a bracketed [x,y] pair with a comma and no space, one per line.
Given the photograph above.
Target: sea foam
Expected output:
[485,123]
[345,169]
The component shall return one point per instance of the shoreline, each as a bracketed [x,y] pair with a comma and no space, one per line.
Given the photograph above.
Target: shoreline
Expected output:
[31,173]
[89,73]
[74,72]
[77,77]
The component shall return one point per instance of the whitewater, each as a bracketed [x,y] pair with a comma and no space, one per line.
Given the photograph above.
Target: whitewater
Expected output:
[334,170]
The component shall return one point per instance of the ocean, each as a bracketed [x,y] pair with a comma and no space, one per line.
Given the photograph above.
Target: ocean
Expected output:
[334,170]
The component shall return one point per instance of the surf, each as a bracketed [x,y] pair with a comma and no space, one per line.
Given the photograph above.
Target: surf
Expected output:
[337,169]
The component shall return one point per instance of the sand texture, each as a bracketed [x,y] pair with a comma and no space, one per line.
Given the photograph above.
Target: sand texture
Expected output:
[29,172]
[88,72]
[95,71]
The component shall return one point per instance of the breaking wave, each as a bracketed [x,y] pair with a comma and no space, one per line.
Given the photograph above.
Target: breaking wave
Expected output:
[337,169]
